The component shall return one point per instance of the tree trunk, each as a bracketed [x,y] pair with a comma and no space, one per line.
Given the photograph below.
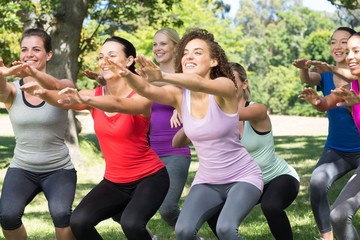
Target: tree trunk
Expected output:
[65,27]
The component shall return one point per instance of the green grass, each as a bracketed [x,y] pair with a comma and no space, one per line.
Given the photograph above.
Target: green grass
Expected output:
[302,152]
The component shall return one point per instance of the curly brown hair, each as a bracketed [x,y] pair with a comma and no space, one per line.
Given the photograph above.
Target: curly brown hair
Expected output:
[223,68]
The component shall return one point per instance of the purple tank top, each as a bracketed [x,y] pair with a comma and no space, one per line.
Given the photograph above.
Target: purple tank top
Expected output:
[216,138]
[161,133]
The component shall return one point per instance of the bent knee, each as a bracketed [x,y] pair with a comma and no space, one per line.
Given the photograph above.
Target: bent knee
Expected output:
[10,222]
[226,231]
[338,216]
[184,231]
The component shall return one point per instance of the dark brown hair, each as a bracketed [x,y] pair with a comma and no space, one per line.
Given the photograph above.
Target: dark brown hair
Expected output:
[38,33]
[243,77]
[216,52]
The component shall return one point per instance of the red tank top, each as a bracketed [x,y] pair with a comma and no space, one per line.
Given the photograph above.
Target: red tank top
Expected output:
[124,143]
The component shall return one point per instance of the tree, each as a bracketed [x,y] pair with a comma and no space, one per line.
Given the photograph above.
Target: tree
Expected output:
[350,4]
[63,20]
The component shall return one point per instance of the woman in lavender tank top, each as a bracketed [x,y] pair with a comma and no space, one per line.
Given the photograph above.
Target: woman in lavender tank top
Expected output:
[203,90]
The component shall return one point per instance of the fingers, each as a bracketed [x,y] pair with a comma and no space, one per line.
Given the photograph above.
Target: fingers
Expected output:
[67,90]
[141,73]
[140,61]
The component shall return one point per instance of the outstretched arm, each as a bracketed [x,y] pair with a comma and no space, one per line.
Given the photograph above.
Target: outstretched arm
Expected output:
[136,105]
[322,67]
[222,87]
[54,97]
[167,94]
[306,76]
[7,90]
[320,103]
[45,80]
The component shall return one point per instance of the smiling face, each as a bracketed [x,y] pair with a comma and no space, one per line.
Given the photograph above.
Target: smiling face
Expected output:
[196,58]
[338,45]
[33,52]
[163,48]
[114,51]
[353,57]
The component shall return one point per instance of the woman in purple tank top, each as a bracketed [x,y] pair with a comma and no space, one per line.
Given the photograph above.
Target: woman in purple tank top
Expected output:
[162,130]
[203,90]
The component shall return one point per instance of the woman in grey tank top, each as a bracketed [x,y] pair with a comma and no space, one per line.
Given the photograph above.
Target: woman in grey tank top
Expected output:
[41,161]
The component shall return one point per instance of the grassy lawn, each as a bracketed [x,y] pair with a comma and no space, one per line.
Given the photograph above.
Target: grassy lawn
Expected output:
[301,152]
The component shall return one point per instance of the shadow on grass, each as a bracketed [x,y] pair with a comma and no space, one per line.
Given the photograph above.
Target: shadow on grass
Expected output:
[7,145]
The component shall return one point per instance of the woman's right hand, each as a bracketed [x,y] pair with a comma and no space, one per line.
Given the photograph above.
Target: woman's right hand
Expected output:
[301,63]
[33,88]
[71,96]
[310,96]
[148,69]
[95,76]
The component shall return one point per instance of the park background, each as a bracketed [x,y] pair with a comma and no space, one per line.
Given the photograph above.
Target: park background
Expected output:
[264,36]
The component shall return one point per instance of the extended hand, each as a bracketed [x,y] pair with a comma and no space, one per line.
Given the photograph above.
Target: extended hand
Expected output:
[95,76]
[148,69]
[5,71]
[310,96]
[116,67]
[301,63]
[71,96]
[33,88]
[349,95]
[320,67]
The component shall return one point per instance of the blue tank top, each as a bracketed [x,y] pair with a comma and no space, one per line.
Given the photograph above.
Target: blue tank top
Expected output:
[342,132]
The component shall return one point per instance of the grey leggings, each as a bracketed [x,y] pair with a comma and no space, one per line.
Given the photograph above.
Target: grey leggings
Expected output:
[331,166]
[345,207]
[178,168]
[204,200]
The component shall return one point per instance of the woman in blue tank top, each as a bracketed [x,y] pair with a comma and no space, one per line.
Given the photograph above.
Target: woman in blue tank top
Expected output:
[341,153]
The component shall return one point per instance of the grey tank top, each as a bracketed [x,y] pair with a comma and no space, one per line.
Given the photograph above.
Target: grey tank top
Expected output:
[40,135]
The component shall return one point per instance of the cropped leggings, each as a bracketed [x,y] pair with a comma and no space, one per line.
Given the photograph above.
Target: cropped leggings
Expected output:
[20,187]
[331,166]
[345,207]
[204,200]
[136,201]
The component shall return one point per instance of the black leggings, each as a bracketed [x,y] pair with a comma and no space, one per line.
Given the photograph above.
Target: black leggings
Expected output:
[277,195]
[137,201]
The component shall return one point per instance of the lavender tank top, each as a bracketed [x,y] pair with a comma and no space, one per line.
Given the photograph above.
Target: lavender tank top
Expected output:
[216,138]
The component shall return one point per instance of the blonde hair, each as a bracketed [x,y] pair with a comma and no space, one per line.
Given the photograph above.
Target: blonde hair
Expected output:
[171,33]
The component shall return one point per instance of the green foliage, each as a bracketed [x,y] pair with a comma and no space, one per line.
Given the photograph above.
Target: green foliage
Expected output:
[316,43]
[265,36]
[279,92]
